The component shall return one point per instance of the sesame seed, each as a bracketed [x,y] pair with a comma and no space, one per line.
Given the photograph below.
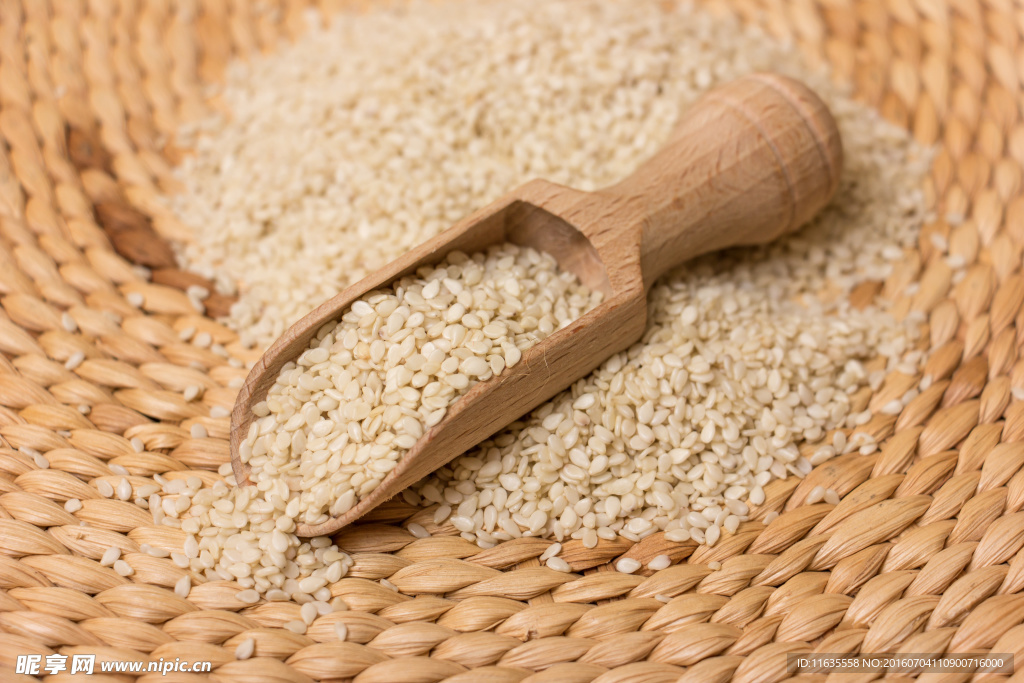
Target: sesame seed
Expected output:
[417,530]
[296,627]
[660,562]
[110,556]
[245,649]
[74,360]
[627,565]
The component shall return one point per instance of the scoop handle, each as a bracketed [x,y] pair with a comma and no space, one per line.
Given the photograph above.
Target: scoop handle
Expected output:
[747,163]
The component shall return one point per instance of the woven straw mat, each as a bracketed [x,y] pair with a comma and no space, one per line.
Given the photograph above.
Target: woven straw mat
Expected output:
[924,554]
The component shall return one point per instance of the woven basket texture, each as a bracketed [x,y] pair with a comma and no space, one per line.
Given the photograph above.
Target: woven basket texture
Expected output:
[925,553]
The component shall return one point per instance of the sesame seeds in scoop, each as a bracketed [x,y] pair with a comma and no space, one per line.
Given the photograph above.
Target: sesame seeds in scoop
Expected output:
[338,419]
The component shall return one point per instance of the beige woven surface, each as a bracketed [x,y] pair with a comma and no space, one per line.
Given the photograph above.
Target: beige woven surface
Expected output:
[923,554]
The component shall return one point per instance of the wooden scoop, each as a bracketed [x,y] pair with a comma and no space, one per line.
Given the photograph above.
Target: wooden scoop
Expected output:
[748,162]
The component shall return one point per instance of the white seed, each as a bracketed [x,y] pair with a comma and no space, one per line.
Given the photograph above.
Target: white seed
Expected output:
[558,564]
[660,562]
[296,626]
[627,565]
[183,586]
[417,530]
[816,495]
[308,612]
[677,535]
[550,551]
[245,649]
[110,556]
[123,568]
[249,596]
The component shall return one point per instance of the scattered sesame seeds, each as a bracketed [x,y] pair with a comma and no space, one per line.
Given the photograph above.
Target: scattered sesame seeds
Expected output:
[741,363]
[551,551]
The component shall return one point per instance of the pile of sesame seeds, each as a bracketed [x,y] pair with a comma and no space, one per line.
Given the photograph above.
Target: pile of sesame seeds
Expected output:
[747,373]
[336,422]
[338,419]
[748,358]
